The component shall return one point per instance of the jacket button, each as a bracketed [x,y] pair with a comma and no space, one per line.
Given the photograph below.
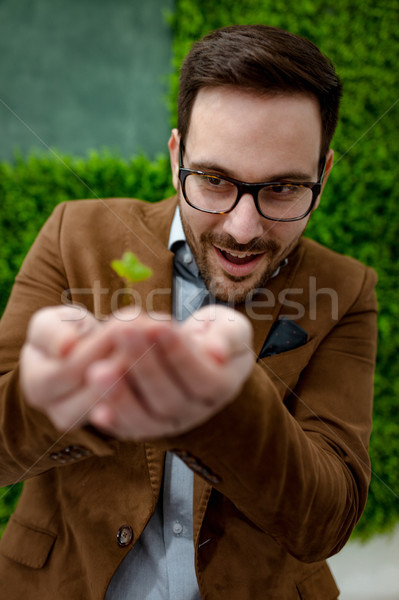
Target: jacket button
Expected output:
[124,535]
[70,454]
[76,452]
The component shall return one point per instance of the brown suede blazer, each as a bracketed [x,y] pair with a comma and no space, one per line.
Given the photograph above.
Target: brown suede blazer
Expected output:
[281,474]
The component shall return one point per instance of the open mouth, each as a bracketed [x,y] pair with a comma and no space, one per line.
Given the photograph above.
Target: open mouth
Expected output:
[238,258]
[238,264]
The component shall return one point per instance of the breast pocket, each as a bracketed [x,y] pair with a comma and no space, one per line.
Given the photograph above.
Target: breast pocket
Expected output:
[285,368]
[26,545]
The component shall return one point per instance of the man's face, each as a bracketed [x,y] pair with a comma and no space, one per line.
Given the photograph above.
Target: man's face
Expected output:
[255,139]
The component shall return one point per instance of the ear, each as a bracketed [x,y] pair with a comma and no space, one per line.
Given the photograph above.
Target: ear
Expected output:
[174,145]
[327,171]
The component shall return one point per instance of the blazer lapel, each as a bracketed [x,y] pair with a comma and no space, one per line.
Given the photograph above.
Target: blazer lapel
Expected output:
[150,234]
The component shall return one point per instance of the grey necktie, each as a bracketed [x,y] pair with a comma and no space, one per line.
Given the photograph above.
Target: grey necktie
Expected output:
[189,292]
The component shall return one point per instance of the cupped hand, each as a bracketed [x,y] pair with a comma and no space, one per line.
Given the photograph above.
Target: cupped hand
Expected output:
[138,378]
[168,378]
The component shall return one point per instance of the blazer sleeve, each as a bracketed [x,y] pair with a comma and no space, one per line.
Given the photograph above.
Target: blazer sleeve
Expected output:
[29,444]
[299,469]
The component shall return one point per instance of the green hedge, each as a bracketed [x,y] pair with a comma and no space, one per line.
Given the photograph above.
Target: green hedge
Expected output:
[358,214]
[30,188]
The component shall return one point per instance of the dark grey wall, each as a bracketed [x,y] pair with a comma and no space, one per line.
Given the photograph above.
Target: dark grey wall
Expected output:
[77,75]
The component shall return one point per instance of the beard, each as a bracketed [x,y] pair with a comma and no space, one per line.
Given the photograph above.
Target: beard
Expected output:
[224,286]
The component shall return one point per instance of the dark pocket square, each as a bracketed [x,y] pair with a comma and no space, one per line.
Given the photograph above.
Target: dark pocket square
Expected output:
[284,335]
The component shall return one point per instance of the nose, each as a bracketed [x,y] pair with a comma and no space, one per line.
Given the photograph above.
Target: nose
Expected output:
[244,223]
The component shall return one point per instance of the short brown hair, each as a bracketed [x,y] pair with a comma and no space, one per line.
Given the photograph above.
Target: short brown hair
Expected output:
[263,59]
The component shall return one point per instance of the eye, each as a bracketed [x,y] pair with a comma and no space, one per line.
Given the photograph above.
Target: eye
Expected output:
[212,183]
[285,192]
[212,180]
[284,189]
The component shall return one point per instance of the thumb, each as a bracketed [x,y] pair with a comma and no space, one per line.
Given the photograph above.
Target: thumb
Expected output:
[56,329]
[221,331]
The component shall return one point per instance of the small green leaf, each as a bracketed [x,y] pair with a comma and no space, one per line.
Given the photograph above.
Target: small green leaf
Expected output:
[130,268]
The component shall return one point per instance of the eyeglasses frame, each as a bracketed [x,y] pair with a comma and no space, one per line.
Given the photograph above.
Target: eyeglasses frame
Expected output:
[251,188]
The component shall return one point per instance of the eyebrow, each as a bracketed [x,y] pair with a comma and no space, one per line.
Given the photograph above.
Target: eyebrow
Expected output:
[216,169]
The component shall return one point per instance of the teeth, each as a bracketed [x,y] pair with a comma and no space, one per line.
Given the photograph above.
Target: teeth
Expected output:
[236,255]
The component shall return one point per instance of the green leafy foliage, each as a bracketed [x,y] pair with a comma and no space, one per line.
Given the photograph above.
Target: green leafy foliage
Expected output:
[130,268]
[358,214]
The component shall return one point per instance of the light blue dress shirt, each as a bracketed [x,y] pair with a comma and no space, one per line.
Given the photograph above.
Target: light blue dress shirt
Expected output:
[161,564]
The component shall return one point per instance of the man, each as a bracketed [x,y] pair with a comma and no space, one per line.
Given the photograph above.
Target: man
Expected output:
[188,460]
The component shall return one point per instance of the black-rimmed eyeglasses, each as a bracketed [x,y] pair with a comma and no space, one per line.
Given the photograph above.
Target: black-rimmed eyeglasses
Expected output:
[277,201]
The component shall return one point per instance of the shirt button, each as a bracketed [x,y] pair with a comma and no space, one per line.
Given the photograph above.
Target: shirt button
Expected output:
[187,259]
[124,535]
[177,528]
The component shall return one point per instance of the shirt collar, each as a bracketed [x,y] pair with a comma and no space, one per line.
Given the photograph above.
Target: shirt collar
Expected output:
[176,231]
[179,246]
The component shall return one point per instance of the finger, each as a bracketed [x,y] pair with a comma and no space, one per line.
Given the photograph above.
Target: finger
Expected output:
[95,346]
[196,371]
[46,379]
[160,390]
[55,330]
[120,413]
[73,411]
[38,376]
[192,358]
[124,410]
[221,330]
